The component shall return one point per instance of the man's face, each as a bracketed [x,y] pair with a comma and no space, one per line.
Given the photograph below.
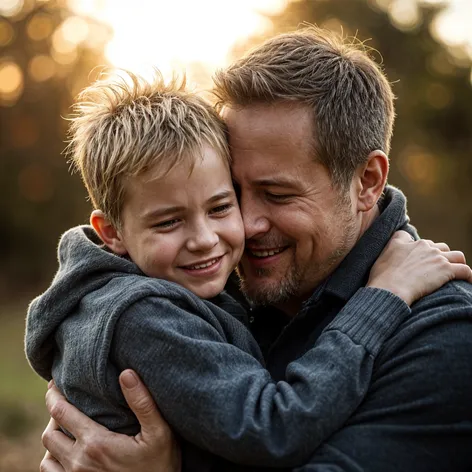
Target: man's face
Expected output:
[298,226]
[185,227]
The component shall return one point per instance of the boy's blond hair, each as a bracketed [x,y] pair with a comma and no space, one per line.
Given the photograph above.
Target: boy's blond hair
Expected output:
[349,96]
[125,126]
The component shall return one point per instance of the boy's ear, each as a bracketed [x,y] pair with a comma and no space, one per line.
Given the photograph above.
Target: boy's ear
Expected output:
[372,177]
[107,232]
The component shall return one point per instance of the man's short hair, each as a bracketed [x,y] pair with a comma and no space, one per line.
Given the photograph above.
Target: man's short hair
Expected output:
[351,99]
[126,125]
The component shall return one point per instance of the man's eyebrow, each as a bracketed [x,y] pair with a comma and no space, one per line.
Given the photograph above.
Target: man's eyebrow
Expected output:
[276,182]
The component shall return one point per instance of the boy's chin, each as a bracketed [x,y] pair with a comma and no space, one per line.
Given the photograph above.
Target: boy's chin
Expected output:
[209,290]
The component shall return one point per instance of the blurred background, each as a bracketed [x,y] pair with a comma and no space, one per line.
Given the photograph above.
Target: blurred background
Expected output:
[50,50]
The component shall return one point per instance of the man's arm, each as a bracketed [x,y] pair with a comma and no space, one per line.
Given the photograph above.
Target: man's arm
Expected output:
[417,415]
[95,448]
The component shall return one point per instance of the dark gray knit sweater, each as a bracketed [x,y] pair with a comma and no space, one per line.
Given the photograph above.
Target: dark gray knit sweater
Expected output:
[202,365]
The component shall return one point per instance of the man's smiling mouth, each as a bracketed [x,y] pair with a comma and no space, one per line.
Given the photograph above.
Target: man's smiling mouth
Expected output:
[265,252]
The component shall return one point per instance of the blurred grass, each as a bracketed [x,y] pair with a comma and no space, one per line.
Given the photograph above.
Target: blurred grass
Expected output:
[23,414]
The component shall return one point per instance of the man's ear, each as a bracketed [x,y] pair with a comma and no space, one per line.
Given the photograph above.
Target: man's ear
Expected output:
[371,177]
[107,232]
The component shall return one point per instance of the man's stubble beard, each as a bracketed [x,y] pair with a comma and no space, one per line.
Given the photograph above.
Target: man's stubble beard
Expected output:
[291,285]
[273,293]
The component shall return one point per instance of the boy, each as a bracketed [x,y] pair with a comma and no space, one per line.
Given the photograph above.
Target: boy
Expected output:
[155,161]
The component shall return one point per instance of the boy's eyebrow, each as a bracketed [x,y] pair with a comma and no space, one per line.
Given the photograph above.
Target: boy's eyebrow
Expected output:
[150,215]
[220,196]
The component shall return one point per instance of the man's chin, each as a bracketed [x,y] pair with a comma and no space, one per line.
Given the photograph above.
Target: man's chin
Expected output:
[264,291]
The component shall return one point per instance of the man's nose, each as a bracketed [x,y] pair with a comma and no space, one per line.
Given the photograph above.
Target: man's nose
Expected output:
[203,239]
[255,219]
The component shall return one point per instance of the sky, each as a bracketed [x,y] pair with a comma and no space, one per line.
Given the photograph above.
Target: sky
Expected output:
[205,44]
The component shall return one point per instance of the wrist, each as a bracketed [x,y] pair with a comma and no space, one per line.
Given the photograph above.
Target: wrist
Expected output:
[391,287]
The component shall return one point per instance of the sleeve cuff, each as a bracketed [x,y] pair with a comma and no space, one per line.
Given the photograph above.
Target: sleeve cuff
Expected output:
[370,317]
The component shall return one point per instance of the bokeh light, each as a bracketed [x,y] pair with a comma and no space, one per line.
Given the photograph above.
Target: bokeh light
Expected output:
[11,82]
[404,14]
[75,29]
[41,68]
[11,7]
[421,168]
[438,96]
[6,33]
[39,27]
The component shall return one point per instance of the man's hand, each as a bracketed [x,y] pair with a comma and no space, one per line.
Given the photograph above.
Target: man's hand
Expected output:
[413,269]
[95,448]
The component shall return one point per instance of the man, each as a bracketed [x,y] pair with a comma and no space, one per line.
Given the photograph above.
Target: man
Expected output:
[310,121]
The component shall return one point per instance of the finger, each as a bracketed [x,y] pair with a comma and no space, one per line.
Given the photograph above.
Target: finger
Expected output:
[50,464]
[441,246]
[69,417]
[57,443]
[462,272]
[456,257]
[52,426]
[141,402]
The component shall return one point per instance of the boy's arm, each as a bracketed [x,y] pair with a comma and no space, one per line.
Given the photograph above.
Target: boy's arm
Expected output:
[223,400]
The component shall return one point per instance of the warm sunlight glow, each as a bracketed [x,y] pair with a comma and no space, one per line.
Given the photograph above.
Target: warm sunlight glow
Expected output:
[186,35]
[10,7]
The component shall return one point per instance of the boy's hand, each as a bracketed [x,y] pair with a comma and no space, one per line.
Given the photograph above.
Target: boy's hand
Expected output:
[97,449]
[413,269]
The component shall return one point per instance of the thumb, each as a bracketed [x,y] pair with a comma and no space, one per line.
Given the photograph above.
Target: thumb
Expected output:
[141,402]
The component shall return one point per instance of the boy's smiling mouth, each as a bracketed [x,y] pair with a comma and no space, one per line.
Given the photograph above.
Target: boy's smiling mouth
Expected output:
[208,263]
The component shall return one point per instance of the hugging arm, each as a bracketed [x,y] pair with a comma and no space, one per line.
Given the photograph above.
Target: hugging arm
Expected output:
[223,400]
[417,414]
[325,461]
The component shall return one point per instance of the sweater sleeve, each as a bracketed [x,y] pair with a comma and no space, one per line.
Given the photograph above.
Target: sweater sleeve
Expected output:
[222,399]
[417,413]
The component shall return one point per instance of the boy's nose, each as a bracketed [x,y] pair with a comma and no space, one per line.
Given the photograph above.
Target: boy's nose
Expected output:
[203,240]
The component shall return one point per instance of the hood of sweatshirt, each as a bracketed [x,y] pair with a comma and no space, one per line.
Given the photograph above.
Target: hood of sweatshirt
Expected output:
[85,266]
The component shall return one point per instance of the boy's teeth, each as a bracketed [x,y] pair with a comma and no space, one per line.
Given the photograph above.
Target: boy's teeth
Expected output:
[202,266]
[266,253]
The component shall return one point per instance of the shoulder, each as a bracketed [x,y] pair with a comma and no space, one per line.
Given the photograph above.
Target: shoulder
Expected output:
[431,350]
[440,312]
[423,374]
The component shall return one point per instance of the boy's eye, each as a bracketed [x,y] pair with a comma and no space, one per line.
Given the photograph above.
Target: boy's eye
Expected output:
[221,209]
[167,224]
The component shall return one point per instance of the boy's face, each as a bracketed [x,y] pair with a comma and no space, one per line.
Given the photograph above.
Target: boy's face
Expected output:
[185,227]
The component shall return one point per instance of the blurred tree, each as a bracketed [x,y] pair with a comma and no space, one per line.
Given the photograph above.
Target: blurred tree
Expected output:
[431,157]
[47,54]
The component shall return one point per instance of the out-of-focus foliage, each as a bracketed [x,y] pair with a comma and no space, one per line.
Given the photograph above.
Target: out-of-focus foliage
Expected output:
[47,55]
[431,158]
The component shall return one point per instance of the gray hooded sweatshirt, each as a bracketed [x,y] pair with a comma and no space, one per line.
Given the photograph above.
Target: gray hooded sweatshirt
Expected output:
[102,315]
